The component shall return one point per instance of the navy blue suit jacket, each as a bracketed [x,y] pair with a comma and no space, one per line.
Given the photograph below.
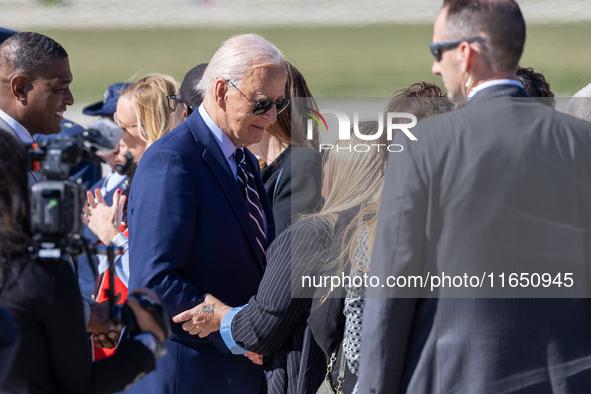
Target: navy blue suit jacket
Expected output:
[191,234]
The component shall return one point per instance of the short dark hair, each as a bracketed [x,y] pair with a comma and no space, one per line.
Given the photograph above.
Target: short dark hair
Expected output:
[422,99]
[501,22]
[188,90]
[536,85]
[14,208]
[29,52]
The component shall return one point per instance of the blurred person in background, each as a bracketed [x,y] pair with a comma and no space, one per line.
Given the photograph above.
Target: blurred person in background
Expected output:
[44,300]
[335,318]
[579,105]
[273,325]
[107,184]
[107,107]
[293,166]
[536,86]
[184,103]
[143,116]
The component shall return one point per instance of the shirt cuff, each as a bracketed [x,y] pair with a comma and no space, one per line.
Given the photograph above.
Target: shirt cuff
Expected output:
[226,331]
[119,240]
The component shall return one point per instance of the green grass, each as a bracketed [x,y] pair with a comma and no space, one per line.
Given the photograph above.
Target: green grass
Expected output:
[336,61]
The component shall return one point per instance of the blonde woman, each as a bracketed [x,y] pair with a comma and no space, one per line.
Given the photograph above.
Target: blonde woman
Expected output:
[273,324]
[143,115]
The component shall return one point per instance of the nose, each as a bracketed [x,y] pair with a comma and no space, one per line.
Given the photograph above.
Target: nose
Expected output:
[69,99]
[271,115]
[436,69]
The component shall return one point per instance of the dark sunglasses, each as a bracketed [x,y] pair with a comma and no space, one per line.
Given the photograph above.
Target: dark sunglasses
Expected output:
[174,100]
[260,107]
[436,47]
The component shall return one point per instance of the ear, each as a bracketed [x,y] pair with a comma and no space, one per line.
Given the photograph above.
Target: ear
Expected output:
[466,57]
[19,87]
[185,113]
[220,91]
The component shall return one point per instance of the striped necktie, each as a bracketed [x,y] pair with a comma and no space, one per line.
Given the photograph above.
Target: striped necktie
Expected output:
[251,197]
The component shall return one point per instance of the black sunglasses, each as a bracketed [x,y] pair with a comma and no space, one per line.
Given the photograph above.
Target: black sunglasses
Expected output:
[174,100]
[436,47]
[260,107]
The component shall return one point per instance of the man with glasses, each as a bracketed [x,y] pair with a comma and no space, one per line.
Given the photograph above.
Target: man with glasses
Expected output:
[499,186]
[199,217]
[189,98]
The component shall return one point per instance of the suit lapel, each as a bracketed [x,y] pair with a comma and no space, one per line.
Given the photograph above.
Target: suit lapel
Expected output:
[219,166]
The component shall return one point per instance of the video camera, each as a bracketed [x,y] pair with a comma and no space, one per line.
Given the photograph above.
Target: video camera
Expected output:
[56,205]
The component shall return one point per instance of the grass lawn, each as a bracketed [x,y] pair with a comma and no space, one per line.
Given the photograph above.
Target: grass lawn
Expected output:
[336,61]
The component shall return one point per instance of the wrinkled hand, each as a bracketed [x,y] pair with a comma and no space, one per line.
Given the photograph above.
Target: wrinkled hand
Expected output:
[99,217]
[100,326]
[145,320]
[203,319]
[254,357]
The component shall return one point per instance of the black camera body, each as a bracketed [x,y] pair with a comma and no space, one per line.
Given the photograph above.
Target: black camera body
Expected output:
[56,203]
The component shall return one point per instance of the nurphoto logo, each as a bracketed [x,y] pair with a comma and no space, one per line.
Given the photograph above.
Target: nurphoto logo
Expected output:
[393,120]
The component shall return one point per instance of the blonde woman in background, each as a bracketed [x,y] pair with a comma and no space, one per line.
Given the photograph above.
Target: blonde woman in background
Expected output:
[143,115]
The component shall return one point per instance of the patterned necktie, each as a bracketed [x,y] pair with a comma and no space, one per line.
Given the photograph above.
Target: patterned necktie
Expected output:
[251,197]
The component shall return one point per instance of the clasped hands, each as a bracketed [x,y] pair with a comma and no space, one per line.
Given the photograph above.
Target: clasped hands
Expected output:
[99,324]
[206,318]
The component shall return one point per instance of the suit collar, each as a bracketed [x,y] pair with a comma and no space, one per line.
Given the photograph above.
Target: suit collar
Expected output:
[226,145]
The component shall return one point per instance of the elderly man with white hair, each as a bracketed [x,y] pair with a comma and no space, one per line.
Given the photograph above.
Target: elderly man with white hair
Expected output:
[579,105]
[199,217]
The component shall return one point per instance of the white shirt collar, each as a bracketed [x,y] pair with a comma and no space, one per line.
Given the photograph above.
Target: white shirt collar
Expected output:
[225,143]
[494,82]
[20,130]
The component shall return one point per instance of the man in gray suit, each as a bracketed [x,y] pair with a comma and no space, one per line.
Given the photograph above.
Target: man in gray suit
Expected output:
[501,185]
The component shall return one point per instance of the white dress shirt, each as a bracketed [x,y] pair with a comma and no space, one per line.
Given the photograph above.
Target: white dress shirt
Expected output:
[20,130]
[494,82]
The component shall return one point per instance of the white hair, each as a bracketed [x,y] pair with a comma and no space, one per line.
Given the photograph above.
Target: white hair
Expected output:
[579,105]
[237,55]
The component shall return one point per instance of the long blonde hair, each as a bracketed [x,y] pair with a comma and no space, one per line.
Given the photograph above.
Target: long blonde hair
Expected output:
[353,178]
[148,97]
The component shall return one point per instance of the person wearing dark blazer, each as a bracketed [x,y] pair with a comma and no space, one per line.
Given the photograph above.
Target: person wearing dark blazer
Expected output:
[43,298]
[292,163]
[274,323]
[501,185]
[199,219]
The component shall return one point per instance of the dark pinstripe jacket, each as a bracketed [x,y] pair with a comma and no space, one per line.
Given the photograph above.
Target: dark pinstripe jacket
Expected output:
[274,323]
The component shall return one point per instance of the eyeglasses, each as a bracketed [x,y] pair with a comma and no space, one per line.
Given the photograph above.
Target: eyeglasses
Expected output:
[260,107]
[174,100]
[436,47]
[121,125]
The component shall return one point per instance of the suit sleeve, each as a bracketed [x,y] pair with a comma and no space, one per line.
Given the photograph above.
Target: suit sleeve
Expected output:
[398,250]
[298,189]
[162,218]
[270,317]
